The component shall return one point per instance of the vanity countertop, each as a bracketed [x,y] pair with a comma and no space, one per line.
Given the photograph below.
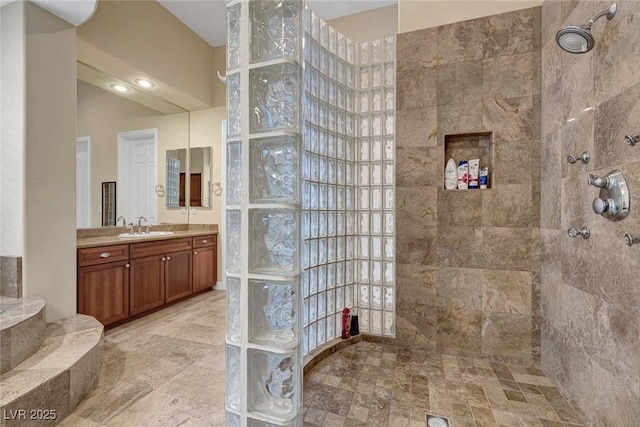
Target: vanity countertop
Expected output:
[87,240]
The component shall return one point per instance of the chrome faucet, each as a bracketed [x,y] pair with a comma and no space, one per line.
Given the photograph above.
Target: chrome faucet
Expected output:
[140,219]
[124,221]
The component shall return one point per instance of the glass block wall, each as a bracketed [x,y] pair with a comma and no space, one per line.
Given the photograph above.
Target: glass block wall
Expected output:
[263,236]
[310,209]
[329,186]
[375,267]
[173,182]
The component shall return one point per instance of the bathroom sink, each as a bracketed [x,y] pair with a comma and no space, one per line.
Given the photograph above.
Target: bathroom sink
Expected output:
[143,235]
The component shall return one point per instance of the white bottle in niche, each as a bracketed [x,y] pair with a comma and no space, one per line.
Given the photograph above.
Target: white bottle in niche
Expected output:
[451,175]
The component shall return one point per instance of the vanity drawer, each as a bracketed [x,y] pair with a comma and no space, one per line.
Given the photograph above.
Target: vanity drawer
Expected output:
[102,255]
[204,241]
[159,247]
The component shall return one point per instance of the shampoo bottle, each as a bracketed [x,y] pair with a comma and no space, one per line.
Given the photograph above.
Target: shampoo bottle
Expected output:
[473,173]
[451,175]
[484,177]
[463,175]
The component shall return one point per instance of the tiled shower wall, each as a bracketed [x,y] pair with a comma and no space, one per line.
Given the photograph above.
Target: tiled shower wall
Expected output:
[590,288]
[468,260]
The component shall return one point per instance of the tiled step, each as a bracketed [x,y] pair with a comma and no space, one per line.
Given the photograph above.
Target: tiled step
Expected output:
[46,387]
[22,325]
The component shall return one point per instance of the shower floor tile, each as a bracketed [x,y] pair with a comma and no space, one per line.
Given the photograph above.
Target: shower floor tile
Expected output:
[370,384]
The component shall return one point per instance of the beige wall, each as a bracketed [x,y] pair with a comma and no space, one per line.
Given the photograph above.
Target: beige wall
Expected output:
[49,264]
[415,15]
[368,25]
[206,131]
[12,118]
[129,38]
[101,115]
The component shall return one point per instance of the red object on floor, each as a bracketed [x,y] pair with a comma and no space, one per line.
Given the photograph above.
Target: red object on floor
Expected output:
[346,323]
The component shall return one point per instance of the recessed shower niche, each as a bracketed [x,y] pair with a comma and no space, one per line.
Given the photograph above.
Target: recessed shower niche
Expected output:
[467,146]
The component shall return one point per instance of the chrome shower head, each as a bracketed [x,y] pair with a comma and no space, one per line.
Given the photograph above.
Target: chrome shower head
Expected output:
[578,39]
[575,39]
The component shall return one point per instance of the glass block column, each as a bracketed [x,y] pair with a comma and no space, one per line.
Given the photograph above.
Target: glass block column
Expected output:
[263,235]
[375,265]
[329,182]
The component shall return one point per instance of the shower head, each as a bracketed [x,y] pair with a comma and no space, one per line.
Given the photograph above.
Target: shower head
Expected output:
[578,39]
[575,39]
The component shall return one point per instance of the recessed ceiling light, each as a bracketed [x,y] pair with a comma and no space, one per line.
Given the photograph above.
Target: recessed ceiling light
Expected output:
[144,83]
[120,88]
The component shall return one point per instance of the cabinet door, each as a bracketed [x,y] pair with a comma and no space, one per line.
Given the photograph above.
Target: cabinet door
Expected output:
[177,275]
[147,283]
[204,268]
[103,291]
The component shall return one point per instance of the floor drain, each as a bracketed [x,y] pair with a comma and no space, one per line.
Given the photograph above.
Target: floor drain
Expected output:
[434,421]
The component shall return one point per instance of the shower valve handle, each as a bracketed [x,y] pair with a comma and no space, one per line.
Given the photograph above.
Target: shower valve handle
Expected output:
[585,232]
[631,240]
[597,181]
[584,158]
[601,206]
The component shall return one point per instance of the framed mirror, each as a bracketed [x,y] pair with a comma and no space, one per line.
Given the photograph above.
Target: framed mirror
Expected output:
[109,204]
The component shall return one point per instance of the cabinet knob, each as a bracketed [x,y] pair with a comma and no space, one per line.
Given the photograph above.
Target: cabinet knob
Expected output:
[168,258]
[127,265]
[105,255]
[204,242]
[164,259]
[195,252]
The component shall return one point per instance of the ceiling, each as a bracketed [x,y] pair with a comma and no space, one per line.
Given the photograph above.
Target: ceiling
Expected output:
[208,20]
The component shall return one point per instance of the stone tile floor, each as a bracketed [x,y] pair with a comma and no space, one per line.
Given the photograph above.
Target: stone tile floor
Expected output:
[167,369]
[370,384]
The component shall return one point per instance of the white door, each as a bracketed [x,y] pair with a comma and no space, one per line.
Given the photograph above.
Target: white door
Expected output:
[83,182]
[137,175]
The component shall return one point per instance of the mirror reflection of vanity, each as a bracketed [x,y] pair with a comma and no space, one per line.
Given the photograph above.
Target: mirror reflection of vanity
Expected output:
[121,44]
[177,177]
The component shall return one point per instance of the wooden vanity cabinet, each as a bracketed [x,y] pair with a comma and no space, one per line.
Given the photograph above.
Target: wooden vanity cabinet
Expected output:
[103,283]
[205,274]
[160,273]
[178,281]
[119,281]
[147,283]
